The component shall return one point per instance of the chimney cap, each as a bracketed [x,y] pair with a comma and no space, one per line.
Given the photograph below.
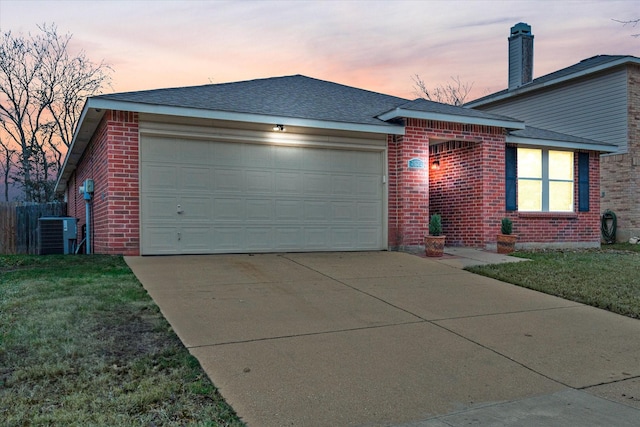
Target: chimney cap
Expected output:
[521,29]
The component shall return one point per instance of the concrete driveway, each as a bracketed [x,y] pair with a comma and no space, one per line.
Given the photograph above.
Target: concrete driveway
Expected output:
[388,338]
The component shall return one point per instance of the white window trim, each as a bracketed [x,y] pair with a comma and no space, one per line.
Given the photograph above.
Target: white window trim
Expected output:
[545,183]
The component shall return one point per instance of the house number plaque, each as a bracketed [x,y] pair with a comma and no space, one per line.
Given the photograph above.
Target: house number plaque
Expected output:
[416,163]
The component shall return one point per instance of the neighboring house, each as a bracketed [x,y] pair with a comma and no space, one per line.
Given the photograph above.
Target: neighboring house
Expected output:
[597,98]
[299,164]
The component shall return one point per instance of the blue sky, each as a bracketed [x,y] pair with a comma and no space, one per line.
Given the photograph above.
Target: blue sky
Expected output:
[376,45]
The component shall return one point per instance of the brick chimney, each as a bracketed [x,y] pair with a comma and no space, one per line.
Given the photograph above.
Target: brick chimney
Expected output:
[520,55]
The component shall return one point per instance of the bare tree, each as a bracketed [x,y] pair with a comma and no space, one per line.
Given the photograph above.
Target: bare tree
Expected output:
[454,92]
[6,166]
[632,23]
[42,91]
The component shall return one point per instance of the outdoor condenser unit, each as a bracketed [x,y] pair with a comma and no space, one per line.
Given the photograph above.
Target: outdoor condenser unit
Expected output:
[57,235]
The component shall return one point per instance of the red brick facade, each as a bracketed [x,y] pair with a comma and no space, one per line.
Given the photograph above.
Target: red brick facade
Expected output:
[468,190]
[563,229]
[111,160]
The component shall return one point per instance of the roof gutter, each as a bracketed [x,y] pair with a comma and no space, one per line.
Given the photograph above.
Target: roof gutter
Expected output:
[89,120]
[452,118]
[94,109]
[384,128]
[573,145]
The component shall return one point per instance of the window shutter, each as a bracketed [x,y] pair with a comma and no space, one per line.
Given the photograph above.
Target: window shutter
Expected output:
[583,182]
[510,179]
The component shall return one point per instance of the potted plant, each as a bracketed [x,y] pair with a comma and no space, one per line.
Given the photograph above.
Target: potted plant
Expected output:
[506,241]
[434,242]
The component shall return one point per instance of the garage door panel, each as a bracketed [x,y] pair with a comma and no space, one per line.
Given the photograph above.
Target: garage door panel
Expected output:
[317,184]
[161,240]
[195,152]
[259,210]
[368,212]
[317,211]
[343,211]
[159,208]
[195,239]
[367,237]
[195,178]
[317,238]
[228,209]
[342,238]
[257,156]
[317,160]
[288,158]
[259,238]
[367,187]
[195,208]
[227,155]
[288,238]
[288,183]
[160,177]
[228,180]
[343,185]
[160,149]
[369,162]
[343,161]
[260,182]
[238,197]
[228,239]
[288,210]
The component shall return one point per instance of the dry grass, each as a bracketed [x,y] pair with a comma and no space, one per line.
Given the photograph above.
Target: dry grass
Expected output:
[608,278]
[81,343]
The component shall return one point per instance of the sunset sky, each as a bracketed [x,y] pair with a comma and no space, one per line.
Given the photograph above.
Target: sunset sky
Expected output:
[375,45]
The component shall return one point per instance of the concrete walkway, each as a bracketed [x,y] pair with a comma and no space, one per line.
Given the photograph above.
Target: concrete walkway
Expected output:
[388,338]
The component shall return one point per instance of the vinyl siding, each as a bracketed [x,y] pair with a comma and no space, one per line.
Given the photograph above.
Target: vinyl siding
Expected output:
[594,108]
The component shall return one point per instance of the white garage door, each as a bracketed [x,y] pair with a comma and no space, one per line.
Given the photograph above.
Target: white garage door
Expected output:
[228,197]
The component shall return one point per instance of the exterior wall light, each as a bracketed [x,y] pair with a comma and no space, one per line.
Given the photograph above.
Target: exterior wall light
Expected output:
[279,128]
[435,165]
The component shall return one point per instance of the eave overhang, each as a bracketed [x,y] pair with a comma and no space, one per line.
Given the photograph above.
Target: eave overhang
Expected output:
[451,118]
[94,110]
[567,145]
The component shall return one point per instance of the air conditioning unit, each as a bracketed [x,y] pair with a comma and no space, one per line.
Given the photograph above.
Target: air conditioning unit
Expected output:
[57,235]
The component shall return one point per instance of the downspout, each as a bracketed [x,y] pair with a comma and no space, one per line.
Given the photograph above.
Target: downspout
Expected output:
[87,210]
[87,191]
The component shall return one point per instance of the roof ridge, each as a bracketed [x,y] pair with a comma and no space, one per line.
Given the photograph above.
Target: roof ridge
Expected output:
[567,72]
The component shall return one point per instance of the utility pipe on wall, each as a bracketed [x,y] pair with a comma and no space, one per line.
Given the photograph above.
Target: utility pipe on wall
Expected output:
[87,190]
[87,210]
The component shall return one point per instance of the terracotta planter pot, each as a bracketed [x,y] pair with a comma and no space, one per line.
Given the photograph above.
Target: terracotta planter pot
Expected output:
[506,243]
[434,245]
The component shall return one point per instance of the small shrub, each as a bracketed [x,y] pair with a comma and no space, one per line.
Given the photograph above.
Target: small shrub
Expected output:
[507,226]
[435,225]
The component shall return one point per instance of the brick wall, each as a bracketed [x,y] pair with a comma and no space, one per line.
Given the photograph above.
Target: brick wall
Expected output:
[579,229]
[111,160]
[634,148]
[621,172]
[461,190]
[408,188]
[468,190]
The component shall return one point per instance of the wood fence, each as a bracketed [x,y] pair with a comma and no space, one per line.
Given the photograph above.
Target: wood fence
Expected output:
[19,225]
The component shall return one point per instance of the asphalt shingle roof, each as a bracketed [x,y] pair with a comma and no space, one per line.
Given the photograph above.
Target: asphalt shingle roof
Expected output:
[439,108]
[544,134]
[583,65]
[294,96]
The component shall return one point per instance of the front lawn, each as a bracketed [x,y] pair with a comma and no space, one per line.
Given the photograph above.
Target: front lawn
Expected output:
[608,278]
[82,343]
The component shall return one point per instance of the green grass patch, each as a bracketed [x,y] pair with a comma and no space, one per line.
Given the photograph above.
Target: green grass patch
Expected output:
[608,278]
[82,343]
